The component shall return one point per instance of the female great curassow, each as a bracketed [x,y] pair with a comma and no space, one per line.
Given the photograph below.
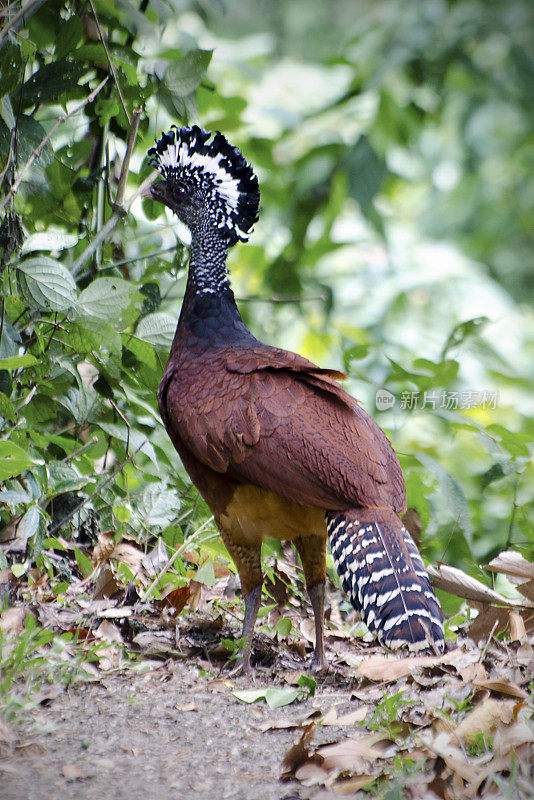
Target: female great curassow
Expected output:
[274,443]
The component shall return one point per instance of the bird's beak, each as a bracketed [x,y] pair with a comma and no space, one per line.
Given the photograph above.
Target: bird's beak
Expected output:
[146,194]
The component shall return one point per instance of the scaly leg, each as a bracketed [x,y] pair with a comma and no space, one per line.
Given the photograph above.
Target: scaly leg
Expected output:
[247,559]
[312,552]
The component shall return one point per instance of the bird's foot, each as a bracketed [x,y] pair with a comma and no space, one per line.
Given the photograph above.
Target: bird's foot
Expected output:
[318,663]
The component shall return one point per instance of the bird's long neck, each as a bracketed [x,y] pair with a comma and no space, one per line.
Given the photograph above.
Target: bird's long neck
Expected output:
[208,273]
[209,317]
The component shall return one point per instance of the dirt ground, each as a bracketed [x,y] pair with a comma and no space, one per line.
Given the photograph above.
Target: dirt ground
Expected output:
[170,733]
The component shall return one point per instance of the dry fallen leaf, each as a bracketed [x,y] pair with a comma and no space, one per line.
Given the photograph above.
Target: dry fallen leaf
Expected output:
[106,584]
[104,547]
[298,754]
[351,718]
[501,686]
[518,630]
[187,707]
[512,737]
[485,718]
[109,631]
[12,620]
[382,668]
[352,754]
[512,564]
[352,784]
[490,619]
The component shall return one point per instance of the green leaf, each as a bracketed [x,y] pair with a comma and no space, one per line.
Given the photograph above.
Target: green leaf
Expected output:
[183,77]
[121,513]
[104,297]
[7,409]
[49,240]
[15,362]
[157,506]
[84,564]
[283,627]
[463,331]
[30,135]
[206,574]
[355,353]
[365,171]
[133,437]
[277,697]
[63,477]
[309,683]
[11,67]
[47,284]
[157,328]
[96,337]
[50,82]
[13,460]
[514,443]
[70,33]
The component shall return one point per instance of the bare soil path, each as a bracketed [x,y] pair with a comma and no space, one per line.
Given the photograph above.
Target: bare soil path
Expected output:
[170,733]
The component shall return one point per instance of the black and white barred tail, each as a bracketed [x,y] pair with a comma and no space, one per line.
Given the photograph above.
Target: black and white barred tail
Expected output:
[383,575]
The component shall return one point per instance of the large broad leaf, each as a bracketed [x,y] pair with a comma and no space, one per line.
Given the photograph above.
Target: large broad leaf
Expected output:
[11,67]
[97,338]
[49,240]
[105,297]
[134,439]
[49,83]
[30,135]
[365,171]
[157,506]
[47,284]
[183,77]
[16,362]
[157,328]
[13,460]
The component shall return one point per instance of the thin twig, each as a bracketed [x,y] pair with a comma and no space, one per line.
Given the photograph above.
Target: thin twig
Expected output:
[23,12]
[110,62]
[172,559]
[512,517]
[134,125]
[85,446]
[10,153]
[38,150]
[252,298]
[109,226]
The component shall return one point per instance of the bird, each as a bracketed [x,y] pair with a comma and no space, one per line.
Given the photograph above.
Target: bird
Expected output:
[274,444]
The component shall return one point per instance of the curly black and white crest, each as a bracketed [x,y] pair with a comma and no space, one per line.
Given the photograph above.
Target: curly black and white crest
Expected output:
[217,168]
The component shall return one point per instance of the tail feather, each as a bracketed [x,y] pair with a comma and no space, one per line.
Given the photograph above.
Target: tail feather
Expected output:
[383,575]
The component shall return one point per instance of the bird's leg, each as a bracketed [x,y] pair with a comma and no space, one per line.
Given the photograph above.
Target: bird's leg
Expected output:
[312,552]
[247,558]
[252,606]
[316,595]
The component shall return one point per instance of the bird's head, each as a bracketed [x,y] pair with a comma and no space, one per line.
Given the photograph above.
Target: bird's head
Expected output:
[205,183]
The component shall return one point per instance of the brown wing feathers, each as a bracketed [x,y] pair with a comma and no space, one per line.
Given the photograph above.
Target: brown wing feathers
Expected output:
[290,430]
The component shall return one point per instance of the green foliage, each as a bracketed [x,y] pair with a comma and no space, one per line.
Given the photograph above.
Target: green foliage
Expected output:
[392,142]
[29,659]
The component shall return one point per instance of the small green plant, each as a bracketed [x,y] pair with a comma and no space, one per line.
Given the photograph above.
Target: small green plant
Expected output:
[21,666]
[387,714]
[235,647]
[35,656]
[479,744]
